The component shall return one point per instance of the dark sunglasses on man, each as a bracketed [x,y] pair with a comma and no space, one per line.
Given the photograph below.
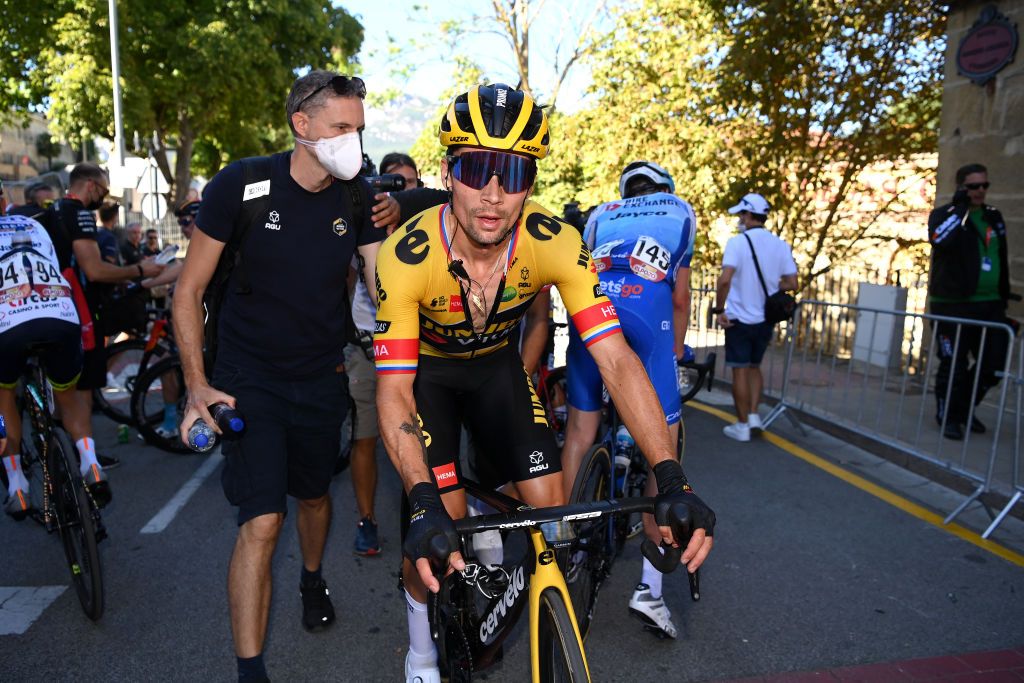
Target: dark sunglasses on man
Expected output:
[977,186]
[474,168]
[185,221]
[343,87]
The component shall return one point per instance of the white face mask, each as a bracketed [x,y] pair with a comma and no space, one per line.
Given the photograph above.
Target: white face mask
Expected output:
[740,225]
[341,156]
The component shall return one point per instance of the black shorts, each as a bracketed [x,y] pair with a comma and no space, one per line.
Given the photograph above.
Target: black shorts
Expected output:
[61,357]
[291,442]
[745,344]
[494,398]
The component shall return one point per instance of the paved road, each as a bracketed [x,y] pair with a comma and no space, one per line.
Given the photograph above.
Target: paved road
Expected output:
[808,572]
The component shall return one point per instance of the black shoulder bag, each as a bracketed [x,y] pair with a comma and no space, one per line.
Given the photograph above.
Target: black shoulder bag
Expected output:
[778,306]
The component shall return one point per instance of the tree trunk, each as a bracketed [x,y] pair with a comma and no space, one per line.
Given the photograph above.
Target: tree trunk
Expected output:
[183,163]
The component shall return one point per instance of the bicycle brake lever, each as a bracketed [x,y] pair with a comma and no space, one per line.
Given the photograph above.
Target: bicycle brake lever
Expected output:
[440,549]
[665,563]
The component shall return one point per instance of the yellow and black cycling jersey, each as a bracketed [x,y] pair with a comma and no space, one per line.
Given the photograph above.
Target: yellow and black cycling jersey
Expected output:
[420,307]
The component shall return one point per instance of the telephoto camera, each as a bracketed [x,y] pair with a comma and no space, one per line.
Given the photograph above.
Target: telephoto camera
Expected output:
[388,182]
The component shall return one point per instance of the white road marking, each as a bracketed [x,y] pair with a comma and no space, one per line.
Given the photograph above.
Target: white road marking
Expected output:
[167,514]
[22,605]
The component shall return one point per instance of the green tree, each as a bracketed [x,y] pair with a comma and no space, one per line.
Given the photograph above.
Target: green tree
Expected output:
[792,100]
[47,147]
[831,88]
[207,77]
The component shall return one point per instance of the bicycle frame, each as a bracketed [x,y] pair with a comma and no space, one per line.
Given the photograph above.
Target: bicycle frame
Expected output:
[540,566]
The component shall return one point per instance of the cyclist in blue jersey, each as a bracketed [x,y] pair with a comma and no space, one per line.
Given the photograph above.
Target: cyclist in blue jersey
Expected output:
[641,246]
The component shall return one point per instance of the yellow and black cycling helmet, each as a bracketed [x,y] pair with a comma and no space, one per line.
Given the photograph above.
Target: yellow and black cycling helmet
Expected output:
[498,117]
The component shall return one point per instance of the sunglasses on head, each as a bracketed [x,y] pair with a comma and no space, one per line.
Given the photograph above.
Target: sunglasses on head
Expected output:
[343,85]
[475,168]
[977,186]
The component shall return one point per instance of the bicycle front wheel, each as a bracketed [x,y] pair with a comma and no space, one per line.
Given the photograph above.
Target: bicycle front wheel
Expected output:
[124,360]
[76,525]
[161,384]
[587,561]
[560,653]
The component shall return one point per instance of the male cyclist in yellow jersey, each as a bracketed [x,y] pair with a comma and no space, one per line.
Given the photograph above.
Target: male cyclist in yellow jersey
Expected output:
[452,285]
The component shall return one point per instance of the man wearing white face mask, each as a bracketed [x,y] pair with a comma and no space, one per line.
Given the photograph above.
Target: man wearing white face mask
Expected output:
[281,330]
[747,334]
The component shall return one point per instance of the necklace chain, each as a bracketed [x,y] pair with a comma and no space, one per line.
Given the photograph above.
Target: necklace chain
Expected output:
[479,301]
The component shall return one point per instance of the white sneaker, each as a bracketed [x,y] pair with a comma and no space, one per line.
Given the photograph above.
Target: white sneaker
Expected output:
[754,422]
[652,611]
[739,431]
[426,674]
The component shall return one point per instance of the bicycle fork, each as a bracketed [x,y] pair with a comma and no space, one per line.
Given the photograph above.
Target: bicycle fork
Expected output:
[546,574]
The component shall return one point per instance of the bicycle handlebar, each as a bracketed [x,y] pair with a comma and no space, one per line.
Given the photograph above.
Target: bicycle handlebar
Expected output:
[675,515]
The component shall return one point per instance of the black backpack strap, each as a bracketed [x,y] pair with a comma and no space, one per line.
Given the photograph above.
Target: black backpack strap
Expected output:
[356,195]
[254,170]
[757,265]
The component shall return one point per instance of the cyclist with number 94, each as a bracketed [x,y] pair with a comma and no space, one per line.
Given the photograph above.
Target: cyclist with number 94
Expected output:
[452,285]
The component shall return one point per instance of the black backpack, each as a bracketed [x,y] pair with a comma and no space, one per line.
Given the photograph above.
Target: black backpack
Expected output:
[252,212]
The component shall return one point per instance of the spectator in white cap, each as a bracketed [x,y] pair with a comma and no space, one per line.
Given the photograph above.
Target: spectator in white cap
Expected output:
[747,334]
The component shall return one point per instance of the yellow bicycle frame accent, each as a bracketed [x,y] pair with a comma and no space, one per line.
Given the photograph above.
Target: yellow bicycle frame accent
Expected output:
[546,574]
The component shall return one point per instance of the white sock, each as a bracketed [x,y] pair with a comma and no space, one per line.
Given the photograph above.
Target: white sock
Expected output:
[15,477]
[486,544]
[87,452]
[422,652]
[652,577]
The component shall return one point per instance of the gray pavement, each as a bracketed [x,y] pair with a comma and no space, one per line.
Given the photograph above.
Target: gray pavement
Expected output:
[808,571]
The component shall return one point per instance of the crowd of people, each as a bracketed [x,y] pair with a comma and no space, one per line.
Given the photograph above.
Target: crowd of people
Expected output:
[431,328]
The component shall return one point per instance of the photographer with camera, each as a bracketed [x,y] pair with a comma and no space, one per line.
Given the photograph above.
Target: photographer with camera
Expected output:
[969,278]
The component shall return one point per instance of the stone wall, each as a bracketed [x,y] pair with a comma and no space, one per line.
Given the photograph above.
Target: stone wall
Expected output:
[985,124]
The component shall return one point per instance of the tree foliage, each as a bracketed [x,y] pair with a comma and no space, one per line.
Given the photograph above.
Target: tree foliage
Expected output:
[792,100]
[206,77]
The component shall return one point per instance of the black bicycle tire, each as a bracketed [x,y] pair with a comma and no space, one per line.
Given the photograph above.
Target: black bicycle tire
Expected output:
[98,396]
[76,525]
[145,425]
[702,373]
[596,465]
[557,636]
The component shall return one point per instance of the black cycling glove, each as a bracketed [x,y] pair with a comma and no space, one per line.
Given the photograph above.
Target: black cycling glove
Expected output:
[672,486]
[427,519]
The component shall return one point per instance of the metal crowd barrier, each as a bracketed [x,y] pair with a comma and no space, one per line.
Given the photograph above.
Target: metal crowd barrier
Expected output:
[868,377]
[1017,379]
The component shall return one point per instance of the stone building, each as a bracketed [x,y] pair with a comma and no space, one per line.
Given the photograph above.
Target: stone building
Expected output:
[983,113]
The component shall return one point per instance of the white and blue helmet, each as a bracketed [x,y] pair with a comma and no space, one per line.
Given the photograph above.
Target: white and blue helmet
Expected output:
[648,170]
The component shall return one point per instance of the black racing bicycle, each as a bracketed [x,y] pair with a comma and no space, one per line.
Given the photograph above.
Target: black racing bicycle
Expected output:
[60,500]
[588,560]
[476,608]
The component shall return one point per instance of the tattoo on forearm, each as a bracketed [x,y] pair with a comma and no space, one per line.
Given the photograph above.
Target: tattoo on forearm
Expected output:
[413,427]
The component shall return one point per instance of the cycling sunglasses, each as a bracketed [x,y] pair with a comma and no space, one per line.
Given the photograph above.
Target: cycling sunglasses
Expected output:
[185,220]
[475,168]
[343,86]
[977,186]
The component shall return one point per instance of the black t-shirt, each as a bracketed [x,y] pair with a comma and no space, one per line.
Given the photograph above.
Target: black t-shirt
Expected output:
[293,324]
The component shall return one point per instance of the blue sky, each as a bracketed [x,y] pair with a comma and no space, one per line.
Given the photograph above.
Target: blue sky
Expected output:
[396,128]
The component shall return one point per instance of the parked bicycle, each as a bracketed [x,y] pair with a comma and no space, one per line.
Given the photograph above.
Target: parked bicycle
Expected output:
[476,608]
[127,359]
[60,500]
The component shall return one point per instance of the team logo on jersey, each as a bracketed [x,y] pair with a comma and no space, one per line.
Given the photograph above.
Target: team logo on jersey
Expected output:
[274,221]
[455,304]
[508,294]
[340,227]
[537,458]
[439,303]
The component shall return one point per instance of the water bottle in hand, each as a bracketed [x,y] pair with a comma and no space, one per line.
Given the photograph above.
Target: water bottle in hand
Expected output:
[229,421]
[201,436]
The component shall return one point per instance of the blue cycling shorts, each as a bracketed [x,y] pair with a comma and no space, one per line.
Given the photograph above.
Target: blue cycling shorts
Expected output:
[645,313]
